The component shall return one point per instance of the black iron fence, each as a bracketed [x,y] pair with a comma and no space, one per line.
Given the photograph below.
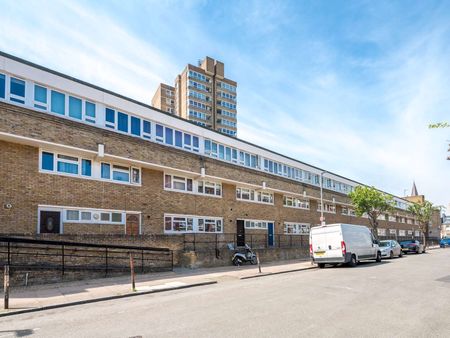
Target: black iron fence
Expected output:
[205,242]
[63,256]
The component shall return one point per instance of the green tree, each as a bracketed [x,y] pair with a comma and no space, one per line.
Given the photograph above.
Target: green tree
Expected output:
[423,213]
[370,201]
[439,125]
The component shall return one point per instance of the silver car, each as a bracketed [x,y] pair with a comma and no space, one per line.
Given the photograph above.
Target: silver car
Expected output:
[390,249]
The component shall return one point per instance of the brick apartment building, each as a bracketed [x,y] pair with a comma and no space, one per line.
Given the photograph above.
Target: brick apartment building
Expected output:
[79,159]
[202,95]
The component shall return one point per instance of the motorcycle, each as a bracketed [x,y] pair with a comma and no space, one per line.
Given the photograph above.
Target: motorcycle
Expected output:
[244,255]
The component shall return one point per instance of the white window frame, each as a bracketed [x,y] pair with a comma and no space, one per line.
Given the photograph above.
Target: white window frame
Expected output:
[329,208]
[298,228]
[297,203]
[253,195]
[198,223]
[95,174]
[257,224]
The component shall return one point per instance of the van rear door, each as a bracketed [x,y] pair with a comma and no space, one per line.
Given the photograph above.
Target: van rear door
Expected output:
[326,242]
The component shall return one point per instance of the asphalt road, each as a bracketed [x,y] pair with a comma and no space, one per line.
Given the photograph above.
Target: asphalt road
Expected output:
[403,297]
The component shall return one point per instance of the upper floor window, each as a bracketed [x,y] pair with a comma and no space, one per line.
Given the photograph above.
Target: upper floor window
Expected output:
[294,202]
[176,138]
[58,102]
[17,90]
[254,196]
[40,97]
[72,165]
[327,207]
[178,183]
[2,86]
[209,188]
[350,212]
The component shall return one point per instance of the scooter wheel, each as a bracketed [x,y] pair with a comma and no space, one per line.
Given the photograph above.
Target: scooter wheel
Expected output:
[237,262]
[253,261]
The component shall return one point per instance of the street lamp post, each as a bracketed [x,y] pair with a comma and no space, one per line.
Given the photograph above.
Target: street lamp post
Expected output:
[322,219]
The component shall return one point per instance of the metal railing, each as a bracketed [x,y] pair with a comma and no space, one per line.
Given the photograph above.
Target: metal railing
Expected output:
[206,242]
[64,256]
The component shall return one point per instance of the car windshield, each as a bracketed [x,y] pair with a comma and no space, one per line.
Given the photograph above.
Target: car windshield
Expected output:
[384,243]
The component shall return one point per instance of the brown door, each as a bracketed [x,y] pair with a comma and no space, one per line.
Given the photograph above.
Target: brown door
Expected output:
[132,227]
[50,222]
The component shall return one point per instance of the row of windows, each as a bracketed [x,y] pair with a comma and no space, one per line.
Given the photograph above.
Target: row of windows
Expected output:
[229,154]
[198,115]
[127,124]
[296,228]
[226,104]
[179,139]
[383,232]
[184,184]
[304,176]
[226,113]
[327,207]
[251,195]
[294,202]
[227,123]
[93,216]
[228,131]
[227,86]
[76,166]
[199,96]
[198,76]
[183,224]
[253,224]
[200,123]
[198,85]
[227,96]
[14,89]
[199,105]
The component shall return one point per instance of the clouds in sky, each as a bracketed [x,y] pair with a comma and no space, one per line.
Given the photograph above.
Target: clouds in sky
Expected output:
[347,86]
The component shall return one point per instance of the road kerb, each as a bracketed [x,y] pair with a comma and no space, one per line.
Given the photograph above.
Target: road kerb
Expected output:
[265,274]
[102,299]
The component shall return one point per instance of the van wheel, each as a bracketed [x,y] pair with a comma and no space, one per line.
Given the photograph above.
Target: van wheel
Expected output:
[353,262]
[391,255]
[321,265]
[378,259]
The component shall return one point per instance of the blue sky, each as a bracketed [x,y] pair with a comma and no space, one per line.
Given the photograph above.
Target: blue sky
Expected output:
[349,86]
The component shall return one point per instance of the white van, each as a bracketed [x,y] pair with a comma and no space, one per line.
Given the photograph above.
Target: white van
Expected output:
[342,243]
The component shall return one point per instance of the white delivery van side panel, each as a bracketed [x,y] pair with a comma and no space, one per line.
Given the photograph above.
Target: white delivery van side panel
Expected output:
[326,242]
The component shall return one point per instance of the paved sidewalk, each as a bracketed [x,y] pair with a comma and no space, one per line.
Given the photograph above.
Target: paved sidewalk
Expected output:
[38,297]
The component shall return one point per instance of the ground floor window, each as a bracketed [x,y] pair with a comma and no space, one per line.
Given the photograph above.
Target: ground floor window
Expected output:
[53,218]
[402,232]
[192,224]
[381,232]
[292,228]
[392,231]
[255,224]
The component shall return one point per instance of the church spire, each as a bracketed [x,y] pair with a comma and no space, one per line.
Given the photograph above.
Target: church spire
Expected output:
[414,190]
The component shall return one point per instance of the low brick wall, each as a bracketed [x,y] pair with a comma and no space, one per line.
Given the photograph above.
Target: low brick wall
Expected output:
[193,259]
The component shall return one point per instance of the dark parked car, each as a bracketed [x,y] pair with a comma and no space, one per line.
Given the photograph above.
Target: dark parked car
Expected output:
[412,246]
[445,242]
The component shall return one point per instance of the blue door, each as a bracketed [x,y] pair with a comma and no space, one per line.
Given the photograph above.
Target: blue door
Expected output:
[270,239]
